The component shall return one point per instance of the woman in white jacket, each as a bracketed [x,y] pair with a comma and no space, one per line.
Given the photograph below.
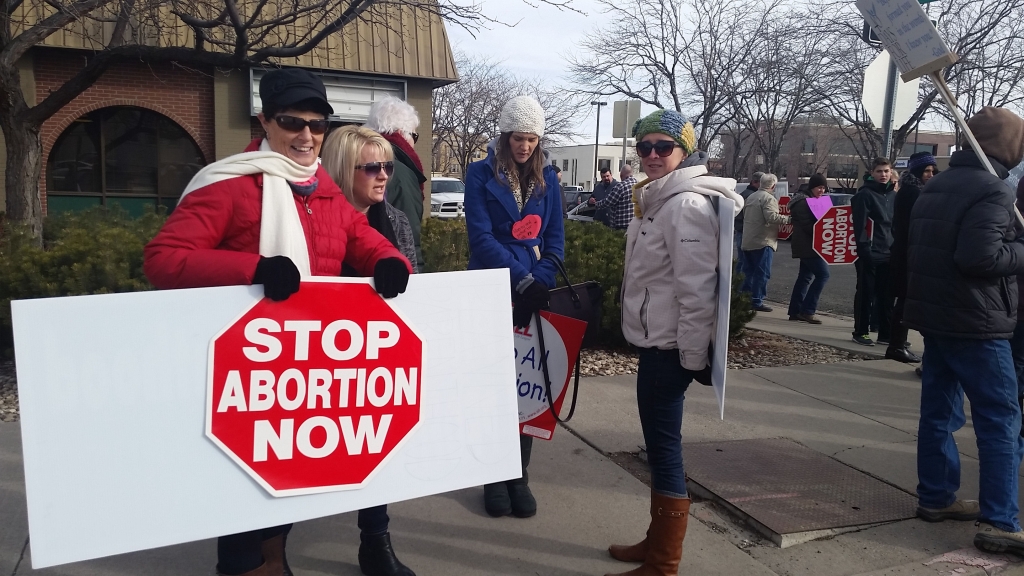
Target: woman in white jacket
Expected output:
[669,310]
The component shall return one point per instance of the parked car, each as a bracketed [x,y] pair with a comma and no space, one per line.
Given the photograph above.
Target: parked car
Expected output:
[446,197]
[582,213]
[573,196]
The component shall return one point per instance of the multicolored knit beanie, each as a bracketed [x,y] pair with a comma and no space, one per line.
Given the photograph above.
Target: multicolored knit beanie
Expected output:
[669,123]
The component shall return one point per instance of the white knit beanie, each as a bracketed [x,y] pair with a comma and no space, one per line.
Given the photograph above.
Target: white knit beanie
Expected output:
[522,114]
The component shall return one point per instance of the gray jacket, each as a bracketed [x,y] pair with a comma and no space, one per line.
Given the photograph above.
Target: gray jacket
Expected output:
[761,219]
[403,230]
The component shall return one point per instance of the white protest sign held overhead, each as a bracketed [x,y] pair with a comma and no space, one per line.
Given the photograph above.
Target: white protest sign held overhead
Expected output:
[873,96]
[114,396]
[908,35]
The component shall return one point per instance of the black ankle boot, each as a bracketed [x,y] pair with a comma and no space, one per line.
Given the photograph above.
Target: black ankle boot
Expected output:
[377,557]
[523,503]
[496,500]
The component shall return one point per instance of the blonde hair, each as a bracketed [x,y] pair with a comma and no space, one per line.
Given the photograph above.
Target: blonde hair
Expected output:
[341,150]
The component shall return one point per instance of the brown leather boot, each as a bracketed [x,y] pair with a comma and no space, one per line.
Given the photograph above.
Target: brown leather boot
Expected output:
[637,552]
[665,537]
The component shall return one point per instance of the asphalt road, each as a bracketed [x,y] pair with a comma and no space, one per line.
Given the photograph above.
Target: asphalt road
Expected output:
[837,298]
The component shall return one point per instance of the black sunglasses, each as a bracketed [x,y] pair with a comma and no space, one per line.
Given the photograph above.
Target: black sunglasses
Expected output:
[295,124]
[415,137]
[372,169]
[662,147]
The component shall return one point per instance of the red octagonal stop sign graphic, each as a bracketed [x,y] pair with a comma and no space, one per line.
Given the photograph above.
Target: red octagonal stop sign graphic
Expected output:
[313,394]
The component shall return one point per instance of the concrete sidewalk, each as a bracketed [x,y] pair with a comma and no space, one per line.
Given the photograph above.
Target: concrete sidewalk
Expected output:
[861,413]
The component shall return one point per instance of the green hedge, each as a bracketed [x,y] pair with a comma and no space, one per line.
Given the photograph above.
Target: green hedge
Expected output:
[592,252]
[97,251]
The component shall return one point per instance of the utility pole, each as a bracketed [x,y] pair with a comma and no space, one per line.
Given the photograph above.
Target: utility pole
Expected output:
[891,85]
[597,141]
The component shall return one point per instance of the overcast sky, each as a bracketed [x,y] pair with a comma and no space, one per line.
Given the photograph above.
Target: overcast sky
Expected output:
[537,45]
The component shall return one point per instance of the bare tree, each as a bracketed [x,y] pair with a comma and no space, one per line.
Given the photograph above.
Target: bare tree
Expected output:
[984,33]
[683,55]
[465,114]
[204,33]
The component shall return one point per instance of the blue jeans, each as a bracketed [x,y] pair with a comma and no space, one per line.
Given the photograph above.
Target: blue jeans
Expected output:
[810,281]
[984,369]
[757,268]
[661,383]
[1017,349]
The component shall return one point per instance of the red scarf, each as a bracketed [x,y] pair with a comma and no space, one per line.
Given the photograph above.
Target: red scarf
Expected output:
[403,144]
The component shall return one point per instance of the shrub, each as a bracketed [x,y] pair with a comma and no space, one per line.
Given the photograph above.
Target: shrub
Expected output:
[97,251]
[445,245]
[741,310]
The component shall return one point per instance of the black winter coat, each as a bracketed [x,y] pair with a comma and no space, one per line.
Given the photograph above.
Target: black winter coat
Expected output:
[905,199]
[875,201]
[803,228]
[737,226]
[963,255]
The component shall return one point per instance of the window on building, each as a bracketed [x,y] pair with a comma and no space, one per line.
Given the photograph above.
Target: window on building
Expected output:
[121,155]
[565,164]
[808,146]
[603,164]
[911,148]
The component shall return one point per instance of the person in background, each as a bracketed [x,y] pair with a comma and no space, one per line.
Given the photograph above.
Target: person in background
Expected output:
[602,190]
[397,121]
[920,169]
[1017,341]
[239,223]
[558,173]
[619,203]
[669,310]
[360,161]
[761,220]
[516,184]
[813,275]
[737,230]
[964,250]
[875,201]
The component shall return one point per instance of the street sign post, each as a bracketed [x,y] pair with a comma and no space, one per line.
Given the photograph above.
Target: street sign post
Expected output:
[888,101]
[625,113]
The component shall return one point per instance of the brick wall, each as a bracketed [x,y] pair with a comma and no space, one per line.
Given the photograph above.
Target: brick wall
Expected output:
[184,96]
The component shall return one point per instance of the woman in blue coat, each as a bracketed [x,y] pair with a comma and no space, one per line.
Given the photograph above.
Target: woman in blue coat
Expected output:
[513,209]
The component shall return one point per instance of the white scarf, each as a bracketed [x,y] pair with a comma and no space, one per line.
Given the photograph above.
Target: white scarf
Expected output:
[280,230]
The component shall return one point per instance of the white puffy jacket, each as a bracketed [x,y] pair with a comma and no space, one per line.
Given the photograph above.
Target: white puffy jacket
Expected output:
[670,280]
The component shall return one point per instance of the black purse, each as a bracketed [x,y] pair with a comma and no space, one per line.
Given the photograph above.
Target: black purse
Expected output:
[580,301]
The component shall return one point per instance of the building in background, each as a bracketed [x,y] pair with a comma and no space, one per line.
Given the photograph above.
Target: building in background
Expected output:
[577,162]
[138,135]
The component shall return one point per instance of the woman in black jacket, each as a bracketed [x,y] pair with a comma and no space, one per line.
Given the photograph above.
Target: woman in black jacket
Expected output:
[920,169]
[813,270]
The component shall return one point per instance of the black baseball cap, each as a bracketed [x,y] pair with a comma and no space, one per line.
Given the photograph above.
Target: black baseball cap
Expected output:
[285,87]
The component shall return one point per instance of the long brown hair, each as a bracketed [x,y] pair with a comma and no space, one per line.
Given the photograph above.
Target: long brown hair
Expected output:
[531,171]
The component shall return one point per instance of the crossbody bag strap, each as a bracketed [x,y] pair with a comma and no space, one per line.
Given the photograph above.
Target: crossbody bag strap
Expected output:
[547,377]
[565,276]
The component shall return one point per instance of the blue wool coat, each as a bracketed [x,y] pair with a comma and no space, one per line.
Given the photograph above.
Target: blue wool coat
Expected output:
[490,213]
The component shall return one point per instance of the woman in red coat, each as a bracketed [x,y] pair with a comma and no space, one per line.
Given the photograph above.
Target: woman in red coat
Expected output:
[271,216]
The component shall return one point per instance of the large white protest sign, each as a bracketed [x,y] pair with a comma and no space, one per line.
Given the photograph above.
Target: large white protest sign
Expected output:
[114,399]
[908,35]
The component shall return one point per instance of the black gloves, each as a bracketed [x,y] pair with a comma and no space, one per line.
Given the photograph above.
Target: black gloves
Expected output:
[534,298]
[702,376]
[279,276]
[390,277]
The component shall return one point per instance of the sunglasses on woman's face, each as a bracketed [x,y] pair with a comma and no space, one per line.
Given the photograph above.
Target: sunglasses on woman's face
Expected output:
[295,124]
[662,147]
[372,169]
[415,137]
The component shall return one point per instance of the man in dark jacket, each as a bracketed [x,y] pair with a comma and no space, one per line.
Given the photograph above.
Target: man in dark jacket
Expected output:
[737,226]
[602,189]
[920,170]
[397,121]
[874,200]
[962,296]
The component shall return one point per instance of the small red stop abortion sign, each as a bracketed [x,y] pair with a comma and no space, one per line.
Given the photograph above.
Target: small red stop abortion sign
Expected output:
[313,394]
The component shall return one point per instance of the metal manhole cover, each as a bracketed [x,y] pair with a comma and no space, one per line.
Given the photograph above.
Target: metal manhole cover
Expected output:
[790,488]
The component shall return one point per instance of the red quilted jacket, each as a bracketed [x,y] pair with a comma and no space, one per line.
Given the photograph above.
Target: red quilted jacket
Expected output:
[213,237]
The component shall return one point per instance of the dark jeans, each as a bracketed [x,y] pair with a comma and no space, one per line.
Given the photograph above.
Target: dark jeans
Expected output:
[897,331]
[1017,350]
[872,288]
[241,553]
[661,383]
[757,269]
[373,521]
[984,370]
[810,281]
